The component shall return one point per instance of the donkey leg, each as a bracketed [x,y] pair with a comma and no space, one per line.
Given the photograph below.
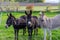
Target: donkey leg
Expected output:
[30,34]
[50,34]
[24,31]
[16,34]
[31,31]
[36,30]
[44,34]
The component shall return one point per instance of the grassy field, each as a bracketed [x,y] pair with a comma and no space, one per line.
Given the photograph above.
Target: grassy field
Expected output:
[8,34]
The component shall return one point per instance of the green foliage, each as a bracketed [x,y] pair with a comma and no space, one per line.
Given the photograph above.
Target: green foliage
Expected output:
[29,1]
[20,0]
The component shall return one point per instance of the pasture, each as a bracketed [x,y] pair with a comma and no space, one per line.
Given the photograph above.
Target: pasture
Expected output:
[8,34]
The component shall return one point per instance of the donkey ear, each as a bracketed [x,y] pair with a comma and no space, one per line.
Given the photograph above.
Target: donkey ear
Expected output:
[25,12]
[7,14]
[10,14]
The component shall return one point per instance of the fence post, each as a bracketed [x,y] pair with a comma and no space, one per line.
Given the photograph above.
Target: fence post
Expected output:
[0,15]
[0,18]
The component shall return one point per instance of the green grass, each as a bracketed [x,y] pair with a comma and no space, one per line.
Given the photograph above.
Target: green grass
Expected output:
[8,34]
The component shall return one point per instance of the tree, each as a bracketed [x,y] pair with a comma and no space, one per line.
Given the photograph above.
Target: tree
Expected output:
[29,1]
[38,0]
[20,0]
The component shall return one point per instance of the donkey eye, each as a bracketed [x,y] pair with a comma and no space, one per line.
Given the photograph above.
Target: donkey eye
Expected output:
[8,21]
[42,20]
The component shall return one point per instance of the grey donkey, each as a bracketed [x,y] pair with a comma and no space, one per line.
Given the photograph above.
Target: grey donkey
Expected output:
[48,23]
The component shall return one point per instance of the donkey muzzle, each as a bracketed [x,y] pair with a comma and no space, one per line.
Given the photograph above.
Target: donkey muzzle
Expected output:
[29,23]
[6,26]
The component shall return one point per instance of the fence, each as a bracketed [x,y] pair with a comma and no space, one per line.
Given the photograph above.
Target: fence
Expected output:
[14,6]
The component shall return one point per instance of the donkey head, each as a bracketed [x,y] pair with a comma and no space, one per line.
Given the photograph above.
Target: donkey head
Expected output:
[41,14]
[10,20]
[28,14]
[41,19]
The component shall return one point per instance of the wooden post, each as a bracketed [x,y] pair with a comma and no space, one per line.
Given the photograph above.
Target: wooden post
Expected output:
[0,18]
[59,4]
[0,15]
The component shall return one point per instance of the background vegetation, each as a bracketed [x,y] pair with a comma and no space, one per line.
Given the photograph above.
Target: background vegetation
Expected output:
[22,1]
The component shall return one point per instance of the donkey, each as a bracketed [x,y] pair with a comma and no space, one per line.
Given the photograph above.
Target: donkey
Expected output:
[32,23]
[49,23]
[17,24]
